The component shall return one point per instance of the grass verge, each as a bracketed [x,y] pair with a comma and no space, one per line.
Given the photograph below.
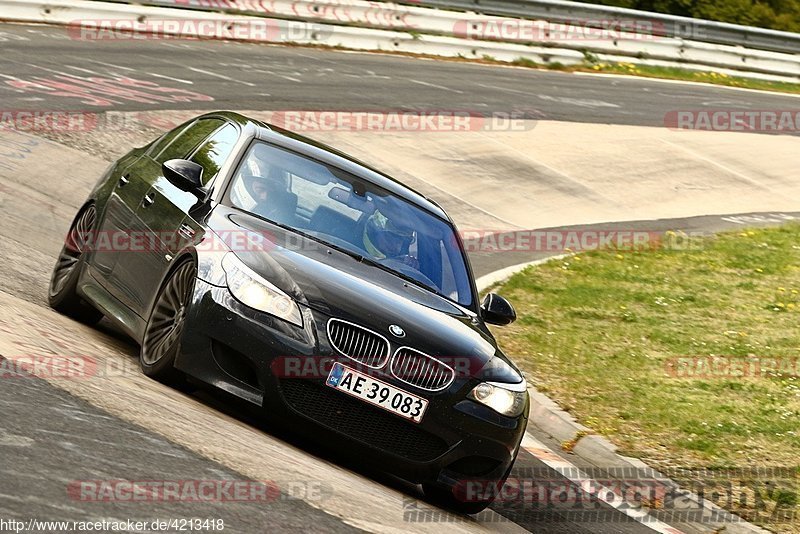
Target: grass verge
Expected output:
[675,73]
[667,73]
[686,359]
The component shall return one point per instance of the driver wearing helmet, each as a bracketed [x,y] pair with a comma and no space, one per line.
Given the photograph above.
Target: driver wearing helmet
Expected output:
[385,239]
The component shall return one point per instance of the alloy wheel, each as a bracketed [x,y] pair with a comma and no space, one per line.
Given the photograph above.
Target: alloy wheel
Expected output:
[166,322]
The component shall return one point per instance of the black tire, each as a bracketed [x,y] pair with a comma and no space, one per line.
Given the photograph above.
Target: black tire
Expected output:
[162,337]
[62,292]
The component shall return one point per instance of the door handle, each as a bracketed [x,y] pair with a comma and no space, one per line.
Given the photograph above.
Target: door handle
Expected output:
[124,180]
[186,231]
[148,199]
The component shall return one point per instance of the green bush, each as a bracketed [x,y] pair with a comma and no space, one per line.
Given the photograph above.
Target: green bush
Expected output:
[775,14]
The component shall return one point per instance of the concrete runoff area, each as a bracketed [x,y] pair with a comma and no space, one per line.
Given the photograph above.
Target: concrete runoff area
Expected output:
[561,173]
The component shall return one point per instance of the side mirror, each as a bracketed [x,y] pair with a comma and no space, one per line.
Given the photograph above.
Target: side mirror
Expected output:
[185,175]
[497,310]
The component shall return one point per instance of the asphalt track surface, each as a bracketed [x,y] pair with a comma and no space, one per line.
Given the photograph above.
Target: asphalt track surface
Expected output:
[49,437]
[42,67]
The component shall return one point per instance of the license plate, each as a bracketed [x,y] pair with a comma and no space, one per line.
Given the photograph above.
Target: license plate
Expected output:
[377,392]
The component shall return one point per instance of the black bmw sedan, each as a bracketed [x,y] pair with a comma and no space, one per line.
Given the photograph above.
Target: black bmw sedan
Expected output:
[297,278]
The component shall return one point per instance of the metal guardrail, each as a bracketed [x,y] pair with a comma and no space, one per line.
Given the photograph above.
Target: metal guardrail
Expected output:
[636,37]
[559,11]
[371,25]
[599,15]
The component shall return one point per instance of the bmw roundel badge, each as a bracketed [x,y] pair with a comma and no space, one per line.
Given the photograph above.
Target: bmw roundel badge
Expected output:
[397,331]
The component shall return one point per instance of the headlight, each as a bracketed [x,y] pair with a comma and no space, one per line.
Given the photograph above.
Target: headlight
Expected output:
[249,288]
[505,399]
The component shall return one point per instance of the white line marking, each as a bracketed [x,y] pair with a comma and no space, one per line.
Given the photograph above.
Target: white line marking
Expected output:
[87,71]
[61,73]
[369,74]
[580,102]
[312,58]
[420,82]
[49,35]
[110,65]
[236,65]
[272,73]
[49,70]
[170,78]
[31,83]
[506,89]
[215,75]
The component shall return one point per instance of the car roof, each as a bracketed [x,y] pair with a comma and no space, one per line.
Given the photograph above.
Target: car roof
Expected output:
[326,154]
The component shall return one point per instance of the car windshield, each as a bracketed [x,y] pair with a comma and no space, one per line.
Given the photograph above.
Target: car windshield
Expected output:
[337,208]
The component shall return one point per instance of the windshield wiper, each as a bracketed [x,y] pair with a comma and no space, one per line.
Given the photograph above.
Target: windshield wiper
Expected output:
[418,283]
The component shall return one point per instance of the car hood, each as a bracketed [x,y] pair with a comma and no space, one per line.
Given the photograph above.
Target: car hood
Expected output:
[339,285]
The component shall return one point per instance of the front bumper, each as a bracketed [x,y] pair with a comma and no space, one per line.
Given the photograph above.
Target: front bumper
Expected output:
[255,356]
